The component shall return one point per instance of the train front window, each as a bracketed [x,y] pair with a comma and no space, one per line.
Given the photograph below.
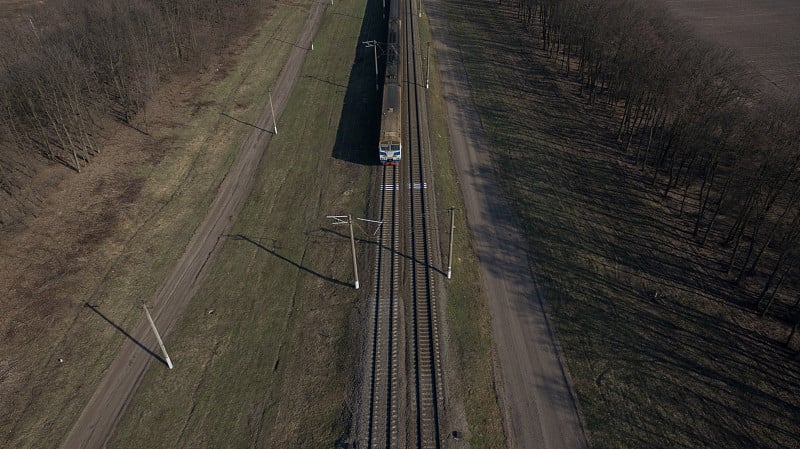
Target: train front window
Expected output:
[396,149]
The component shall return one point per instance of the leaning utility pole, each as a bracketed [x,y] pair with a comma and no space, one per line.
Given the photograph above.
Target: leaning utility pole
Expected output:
[274,123]
[450,256]
[428,66]
[158,337]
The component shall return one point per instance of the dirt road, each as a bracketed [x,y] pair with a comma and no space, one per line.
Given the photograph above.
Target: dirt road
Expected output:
[537,401]
[96,423]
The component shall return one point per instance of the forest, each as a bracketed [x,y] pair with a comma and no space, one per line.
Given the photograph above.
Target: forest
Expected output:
[72,67]
[693,119]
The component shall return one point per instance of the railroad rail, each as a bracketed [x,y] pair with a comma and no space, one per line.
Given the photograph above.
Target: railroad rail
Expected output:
[402,400]
[381,423]
[425,405]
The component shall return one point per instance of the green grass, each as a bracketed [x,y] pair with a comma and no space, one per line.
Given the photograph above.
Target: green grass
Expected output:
[659,354]
[194,150]
[272,365]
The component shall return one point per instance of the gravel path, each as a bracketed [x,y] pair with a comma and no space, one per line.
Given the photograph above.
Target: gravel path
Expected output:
[538,404]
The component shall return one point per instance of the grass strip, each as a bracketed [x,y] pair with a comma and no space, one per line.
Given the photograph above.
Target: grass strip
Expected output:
[264,353]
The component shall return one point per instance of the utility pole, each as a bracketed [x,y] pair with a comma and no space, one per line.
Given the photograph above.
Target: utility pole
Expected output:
[340,220]
[419,8]
[450,256]
[428,66]
[374,45]
[274,123]
[158,337]
[36,33]
[353,246]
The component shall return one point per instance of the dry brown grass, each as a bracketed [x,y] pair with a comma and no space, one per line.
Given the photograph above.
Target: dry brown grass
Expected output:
[763,33]
[109,236]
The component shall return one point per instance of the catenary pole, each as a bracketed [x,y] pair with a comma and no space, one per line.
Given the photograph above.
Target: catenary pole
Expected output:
[340,220]
[375,57]
[428,66]
[374,45]
[353,246]
[450,256]
[274,123]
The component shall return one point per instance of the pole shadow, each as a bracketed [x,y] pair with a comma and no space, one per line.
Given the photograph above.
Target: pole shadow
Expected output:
[246,123]
[402,255]
[125,333]
[285,259]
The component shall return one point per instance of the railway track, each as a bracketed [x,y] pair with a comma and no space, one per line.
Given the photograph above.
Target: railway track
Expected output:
[403,403]
[425,404]
[383,377]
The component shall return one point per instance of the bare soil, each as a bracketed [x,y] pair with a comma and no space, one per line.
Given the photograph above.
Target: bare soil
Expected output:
[763,32]
[18,8]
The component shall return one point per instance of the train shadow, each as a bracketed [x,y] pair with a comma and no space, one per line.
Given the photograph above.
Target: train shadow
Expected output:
[359,124]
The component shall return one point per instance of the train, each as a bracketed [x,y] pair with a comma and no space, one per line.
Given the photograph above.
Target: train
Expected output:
[390,146]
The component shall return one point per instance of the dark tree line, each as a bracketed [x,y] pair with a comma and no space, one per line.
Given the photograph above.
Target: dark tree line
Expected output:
[693,122]
[79,61]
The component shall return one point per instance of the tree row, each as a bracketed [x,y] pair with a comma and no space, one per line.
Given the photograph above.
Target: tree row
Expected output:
[80,61]
[694,123]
